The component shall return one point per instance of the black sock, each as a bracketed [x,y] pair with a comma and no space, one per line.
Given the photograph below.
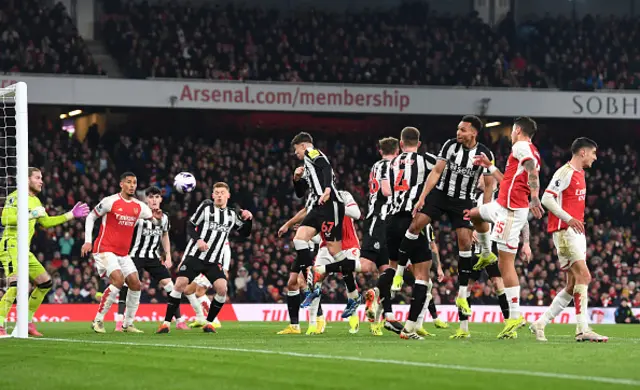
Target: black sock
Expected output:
[347,266]
[504,305]
[320,309]
[432,309]
[177,314]
[350,281]
[172,305]
[293,304]
[304,258]
[122,299]
[417,301]
[408,278]
[465,268]
[333,268]
[406,248]
[462,316]
[215,309]
[384,285]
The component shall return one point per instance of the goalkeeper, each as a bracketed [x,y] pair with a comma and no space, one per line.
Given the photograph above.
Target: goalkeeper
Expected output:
[39,277]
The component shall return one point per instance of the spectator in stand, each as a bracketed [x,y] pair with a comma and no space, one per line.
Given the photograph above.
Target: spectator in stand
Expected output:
[66,245]
[624,314]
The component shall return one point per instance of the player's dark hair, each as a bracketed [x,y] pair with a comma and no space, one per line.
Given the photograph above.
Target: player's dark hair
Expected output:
[301,138]
[221,184]
[127,174]
[476,122]
[31,170]
[582,142]
[410,136]
[528,125]
[388,145]
[153,190]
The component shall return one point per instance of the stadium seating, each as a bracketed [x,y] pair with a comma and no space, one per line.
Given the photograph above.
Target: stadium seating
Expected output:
[408,45]
[259,267]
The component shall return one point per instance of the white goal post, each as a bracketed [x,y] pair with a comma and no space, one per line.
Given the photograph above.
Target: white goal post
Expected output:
[14,168]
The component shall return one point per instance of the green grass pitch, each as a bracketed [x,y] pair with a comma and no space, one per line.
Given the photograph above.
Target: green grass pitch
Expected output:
[252,356]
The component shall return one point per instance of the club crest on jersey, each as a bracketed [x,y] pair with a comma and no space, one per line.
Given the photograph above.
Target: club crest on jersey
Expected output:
[376,245]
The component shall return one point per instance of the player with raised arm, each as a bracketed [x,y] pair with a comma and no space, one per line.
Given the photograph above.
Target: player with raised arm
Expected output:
[208,230]
[119,214]
[9,248]
[565,199]
[325,217]
[449,190]
[509,213]
[147,237]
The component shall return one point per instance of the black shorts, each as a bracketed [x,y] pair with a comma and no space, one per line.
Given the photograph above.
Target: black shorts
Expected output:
[374,241]
[438,204]
[326,219]
[396,227]
[191,267]
[155,268]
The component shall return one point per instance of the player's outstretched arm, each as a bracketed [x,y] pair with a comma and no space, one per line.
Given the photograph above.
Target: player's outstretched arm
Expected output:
[292,222]
[80,210]
[244,223]
[489,187]
[351,208]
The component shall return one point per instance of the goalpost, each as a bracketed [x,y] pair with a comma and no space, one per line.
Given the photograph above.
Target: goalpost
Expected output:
[14,165]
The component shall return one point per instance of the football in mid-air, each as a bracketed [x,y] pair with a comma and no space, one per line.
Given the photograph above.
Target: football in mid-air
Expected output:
[184,182]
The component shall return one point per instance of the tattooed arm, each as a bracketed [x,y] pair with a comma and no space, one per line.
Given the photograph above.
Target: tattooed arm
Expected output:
[534,186]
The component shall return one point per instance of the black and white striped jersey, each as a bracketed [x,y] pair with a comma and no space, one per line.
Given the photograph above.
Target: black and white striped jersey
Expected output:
[460,177]
[147,237]
[407,175]
[378,203]
[318,175]
[213,225]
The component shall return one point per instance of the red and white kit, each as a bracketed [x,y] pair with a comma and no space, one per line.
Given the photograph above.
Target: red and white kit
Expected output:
[111,247]
[569,187]
[350,242]
[509,212]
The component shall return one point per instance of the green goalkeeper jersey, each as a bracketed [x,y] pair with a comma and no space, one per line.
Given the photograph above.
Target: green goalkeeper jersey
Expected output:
[10,219]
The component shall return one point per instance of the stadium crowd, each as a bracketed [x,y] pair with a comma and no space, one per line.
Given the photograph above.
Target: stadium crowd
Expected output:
[258,168]
[406,45]
[37,38]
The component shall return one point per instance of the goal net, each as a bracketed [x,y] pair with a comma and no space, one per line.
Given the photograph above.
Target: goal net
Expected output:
[13,177]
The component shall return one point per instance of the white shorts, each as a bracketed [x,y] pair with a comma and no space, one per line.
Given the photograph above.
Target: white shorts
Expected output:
[507,225]
[324,257]
[107,262]
[202,281]
[571,247]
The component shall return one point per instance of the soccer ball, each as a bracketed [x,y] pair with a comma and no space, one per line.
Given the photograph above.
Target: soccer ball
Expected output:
[184,182]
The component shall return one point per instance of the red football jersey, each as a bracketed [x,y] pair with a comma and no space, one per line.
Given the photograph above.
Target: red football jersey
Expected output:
[569,186]
[514,189]
[119,218]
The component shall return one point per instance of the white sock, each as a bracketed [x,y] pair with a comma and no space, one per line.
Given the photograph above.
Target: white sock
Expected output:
[484,240]
[133,301]
[358,266]
[205,303]
[119,317]
[560,302]
[313,311]
[464,325]
[462,292]
[197,308]
[321,269]
[513,297]
[168,287]
[400,270]
[109,297]
[581,301]
[352,294]
[410,326]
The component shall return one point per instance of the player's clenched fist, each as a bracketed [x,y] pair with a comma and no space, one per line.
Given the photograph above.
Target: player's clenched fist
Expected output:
[202,245]
[297,174]
[246,214]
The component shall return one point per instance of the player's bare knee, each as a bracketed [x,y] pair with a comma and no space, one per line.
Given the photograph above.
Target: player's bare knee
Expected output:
[117,279]
[181,284]
[305,233]
[200,291]
[42,278]
[220,287]
[133,283]
[293,285]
